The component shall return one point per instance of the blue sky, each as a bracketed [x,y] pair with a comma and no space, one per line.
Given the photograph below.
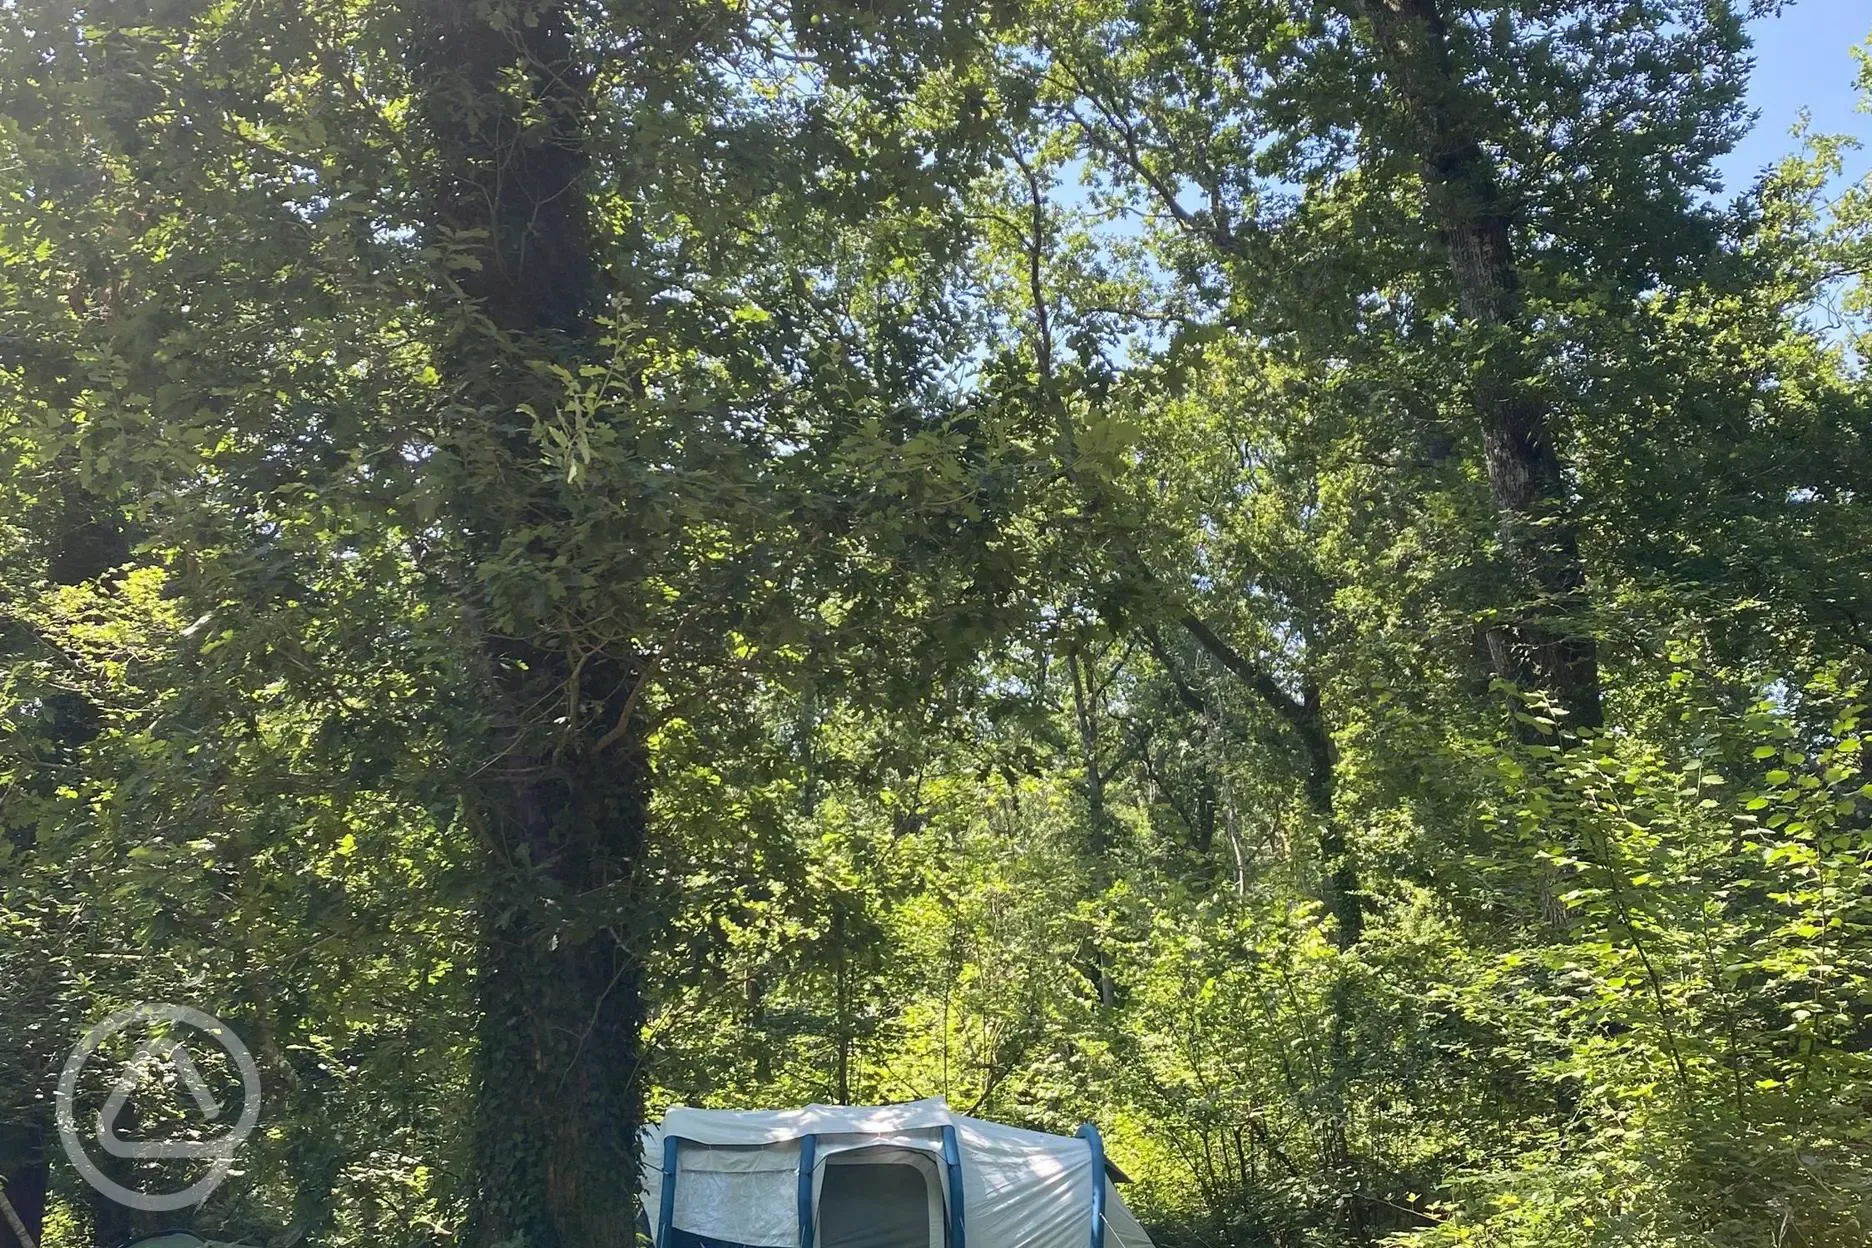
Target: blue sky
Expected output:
[1803,59]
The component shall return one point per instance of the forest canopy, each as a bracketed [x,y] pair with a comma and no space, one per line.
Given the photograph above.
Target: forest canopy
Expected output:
[1292,578]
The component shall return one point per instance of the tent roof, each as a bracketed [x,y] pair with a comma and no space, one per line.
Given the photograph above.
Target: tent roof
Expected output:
[746,1127]
[772,1126]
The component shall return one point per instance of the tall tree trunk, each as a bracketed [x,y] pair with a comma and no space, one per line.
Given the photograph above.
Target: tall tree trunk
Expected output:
[562,800]
[84,544]
[558,1102]
[23,1177]
[114,1225]
[1544,646]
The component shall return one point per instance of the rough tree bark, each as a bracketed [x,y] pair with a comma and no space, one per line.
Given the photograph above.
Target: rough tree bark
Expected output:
[84,544]
[561,807]
[1542,646]
[23,1180]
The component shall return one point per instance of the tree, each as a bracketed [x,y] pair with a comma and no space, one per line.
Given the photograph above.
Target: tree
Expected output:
[854,552]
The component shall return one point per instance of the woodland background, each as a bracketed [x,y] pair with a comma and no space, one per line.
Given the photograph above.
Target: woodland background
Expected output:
[1290,577]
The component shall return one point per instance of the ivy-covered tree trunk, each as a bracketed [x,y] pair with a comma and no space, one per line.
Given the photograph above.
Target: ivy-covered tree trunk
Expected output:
[23,1177]
[83,544]
[1543,645]
[556,1118]
[561,799]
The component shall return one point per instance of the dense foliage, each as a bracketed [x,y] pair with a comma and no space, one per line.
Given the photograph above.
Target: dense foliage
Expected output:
[1290,578]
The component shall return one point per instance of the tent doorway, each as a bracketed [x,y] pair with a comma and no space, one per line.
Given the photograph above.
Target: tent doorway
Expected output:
[881,1197]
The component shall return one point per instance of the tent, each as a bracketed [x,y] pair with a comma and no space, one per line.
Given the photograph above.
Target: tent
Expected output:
[916,1175]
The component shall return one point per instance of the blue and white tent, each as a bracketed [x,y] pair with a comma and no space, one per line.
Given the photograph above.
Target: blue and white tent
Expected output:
[890,1176]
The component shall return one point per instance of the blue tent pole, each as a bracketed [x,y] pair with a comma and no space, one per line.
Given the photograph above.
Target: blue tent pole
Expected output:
[952,1160]
[666,1216]
[808,1146]
[1090,1134]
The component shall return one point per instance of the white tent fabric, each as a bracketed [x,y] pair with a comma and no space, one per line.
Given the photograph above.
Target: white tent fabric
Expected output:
[738,1175]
